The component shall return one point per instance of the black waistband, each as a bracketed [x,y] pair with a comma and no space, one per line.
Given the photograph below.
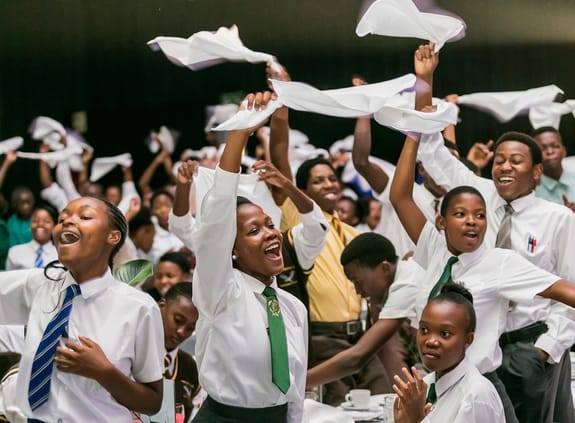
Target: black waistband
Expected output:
[276,413]
[351,328]
[529,333]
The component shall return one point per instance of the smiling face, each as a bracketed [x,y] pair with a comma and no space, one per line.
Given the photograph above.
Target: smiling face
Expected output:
[179,317]
[323,187]
[370,282]
[552,149]
[41,226]
[513,171]
[346,211]
[258,244]
[464,223]
[167,275]
[443,336]
[161,209]
[84,237]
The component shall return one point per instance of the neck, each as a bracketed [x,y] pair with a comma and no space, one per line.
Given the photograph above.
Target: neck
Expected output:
[553,173]
[87,273]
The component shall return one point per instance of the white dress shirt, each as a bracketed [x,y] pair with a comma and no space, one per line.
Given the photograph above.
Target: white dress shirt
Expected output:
[164,241]
[464,396]
[403,290]
[233,348]
[493,276]
[122,320]
[541,231]
[23,256]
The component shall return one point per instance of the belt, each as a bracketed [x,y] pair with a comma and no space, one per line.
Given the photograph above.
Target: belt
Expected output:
[528,333]
[351,328]
[276,413]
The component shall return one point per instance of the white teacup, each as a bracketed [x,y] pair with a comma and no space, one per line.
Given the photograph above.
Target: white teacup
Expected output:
[359,398]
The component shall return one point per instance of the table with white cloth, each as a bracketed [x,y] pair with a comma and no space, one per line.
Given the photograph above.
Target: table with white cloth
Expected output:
[380,410]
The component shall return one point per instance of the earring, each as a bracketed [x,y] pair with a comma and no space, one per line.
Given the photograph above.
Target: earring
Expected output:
[234,257]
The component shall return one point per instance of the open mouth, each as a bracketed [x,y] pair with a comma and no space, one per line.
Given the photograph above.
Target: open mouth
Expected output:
[332,196]
[273,251]
[471,234]
[67,238]
[505,180]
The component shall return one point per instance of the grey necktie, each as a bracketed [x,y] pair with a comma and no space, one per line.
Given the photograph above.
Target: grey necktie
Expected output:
[504,234]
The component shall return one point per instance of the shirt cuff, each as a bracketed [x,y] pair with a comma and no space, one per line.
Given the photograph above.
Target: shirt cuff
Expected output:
[313,217]
[551,347]
[225,183]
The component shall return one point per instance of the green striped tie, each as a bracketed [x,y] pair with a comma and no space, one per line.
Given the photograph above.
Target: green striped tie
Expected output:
[278,342]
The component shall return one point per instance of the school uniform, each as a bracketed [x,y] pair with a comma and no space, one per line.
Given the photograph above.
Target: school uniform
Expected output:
[184,372]
[164,241]
[122,320]
[233,348]
[24,256]
[553,189]
[464,396]
[543,233]
[18,230]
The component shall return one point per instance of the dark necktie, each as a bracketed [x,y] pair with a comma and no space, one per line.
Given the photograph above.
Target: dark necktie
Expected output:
[39,262]
[167,363]
[431,394]
[335,222]
[504,234]
[444,278]
[39,387]
[278,341]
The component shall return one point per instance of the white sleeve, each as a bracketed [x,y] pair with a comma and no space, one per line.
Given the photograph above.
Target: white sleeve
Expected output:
[182,227]
[64,178]
[55,195]
[213,238]
[17,290]
[309,236]
[149,348]
[402,295]
[129,191]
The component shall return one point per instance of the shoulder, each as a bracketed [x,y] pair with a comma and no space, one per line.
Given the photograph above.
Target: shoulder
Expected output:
[292,302]
[132,296]
[186,360]
[479,388]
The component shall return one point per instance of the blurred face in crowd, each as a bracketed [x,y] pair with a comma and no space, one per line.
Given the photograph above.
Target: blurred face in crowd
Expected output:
[552,149]
[161,209]
[374,216]
[113,194]
[23,202]
[167,275]
[41,226]
[323,187]
[346,211]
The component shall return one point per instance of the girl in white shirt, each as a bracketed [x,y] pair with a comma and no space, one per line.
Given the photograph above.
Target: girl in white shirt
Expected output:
[109,355]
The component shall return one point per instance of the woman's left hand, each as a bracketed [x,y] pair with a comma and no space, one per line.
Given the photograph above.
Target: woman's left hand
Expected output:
[84,358]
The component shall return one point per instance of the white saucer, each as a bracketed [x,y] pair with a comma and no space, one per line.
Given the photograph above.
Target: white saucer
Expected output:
[351,407]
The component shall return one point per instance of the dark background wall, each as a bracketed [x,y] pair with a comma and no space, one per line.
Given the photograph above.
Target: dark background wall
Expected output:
[62,56]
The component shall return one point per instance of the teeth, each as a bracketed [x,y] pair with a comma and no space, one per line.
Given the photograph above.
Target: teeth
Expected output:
[272,247]
[507,179]
[68,237]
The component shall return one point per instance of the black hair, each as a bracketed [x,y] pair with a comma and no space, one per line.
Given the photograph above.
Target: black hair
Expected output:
[450,144]
[451,194]
[117,221]
[141,219]
[304,171]
[368,250]
[48,209]
[356,209]
[181,289]
[240,201]
[159,193]
[544,129]
[458,294]
[362,206]
[179,259]
[21,189]
[535,150]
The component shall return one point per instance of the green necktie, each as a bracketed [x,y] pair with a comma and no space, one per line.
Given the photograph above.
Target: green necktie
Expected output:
[278,342]
[431,394]
[444,278]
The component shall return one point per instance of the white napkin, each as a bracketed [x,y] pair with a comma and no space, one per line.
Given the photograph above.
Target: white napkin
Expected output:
[295,137]
[345,102]
[70,154]
[11,144]
[401,18]
[49,131]
[218,114]
[166,137]
[248,118]
[249,187]
[550,114]
[345,144]
[316,412]
[102,165]
[206,48]
[405,119]
[506,105]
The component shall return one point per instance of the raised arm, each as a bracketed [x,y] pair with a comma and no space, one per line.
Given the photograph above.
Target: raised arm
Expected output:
[146,178]
[401,193]
[9,159]
[373,174]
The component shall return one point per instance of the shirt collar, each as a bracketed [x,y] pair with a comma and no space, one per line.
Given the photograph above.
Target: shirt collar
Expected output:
[91,287]
[466,260]
[522,203]
[173,353]
[550,184]
[452,377]
[255,285]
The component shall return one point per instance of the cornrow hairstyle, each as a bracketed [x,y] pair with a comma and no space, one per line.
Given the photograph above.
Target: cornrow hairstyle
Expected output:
[117,221]
[458,294]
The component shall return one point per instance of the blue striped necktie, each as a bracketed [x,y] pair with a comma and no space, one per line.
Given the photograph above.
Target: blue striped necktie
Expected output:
[39,388]
[39,262]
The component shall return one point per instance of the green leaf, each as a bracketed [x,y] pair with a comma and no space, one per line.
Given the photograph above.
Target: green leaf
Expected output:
[134,272]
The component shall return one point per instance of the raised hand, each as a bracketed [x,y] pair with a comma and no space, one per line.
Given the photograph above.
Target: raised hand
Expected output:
[268,173]
[410,405]
[568,203]
[425,61]
[480,154]
[186,172]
